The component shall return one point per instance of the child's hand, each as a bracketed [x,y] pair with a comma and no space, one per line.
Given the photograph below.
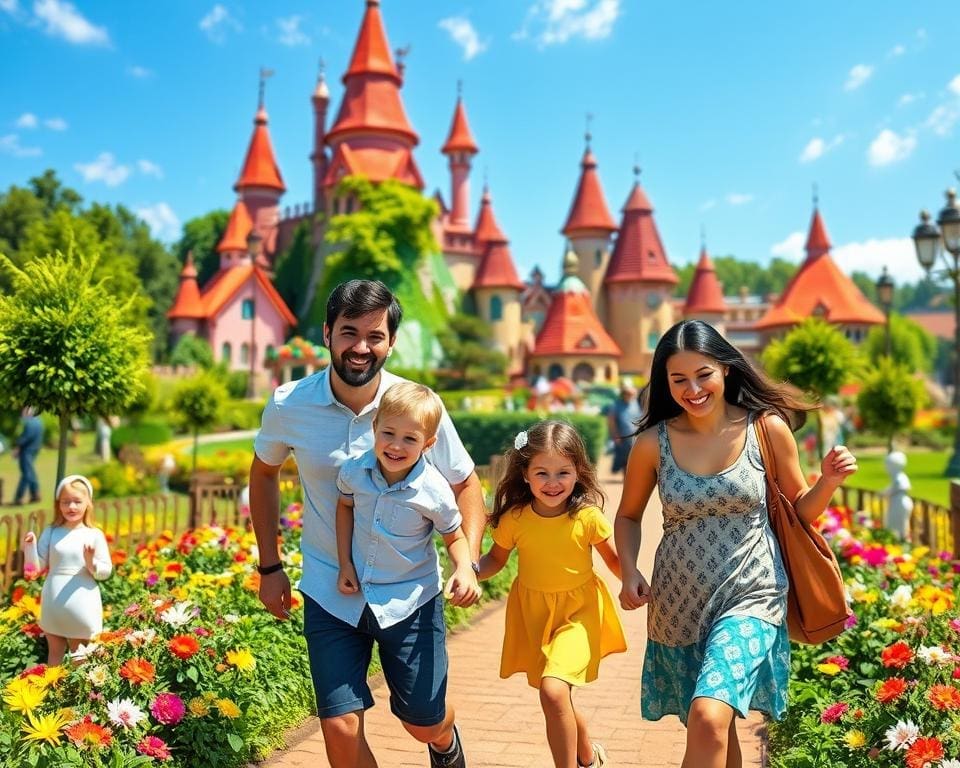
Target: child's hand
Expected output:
[30,538]
[347,581]
[837,465]
[88,550]
[635,591]
[462,588]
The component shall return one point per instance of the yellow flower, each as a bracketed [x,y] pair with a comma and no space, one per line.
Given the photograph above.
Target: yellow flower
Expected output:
[242,659]
[198,707]
[906,568]
[886,623]
[829,668]
[53,675]
[228,708]
[919,552]
[855,739]
[44,728]
[24,698]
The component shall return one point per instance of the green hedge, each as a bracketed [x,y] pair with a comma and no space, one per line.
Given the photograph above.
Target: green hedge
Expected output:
[242,414]
[486,434]
[145,432]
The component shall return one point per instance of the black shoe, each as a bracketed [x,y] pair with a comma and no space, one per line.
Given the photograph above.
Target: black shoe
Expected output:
[452,759]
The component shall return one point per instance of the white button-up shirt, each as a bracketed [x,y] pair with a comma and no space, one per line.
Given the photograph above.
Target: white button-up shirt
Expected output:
[393,525]
[304,417]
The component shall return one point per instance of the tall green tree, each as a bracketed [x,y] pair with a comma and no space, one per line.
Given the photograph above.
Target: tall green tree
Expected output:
[66,345]
[889,399]
[197,403]
[911,346]
[734,274]
[202,235]
[294,268]
[815,357]
[468,360]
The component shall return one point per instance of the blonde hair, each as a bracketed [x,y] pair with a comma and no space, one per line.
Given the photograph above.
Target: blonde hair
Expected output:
[77,484]
[407,398]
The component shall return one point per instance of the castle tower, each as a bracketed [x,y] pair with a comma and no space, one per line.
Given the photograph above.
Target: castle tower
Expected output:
[318,158]
[589,227]
[234,245]
[705,298]
[572,341]
[187,313]
[638,284]
[371,135]
[459,250]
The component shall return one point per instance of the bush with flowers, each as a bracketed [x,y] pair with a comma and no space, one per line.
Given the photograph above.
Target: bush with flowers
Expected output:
[886,692]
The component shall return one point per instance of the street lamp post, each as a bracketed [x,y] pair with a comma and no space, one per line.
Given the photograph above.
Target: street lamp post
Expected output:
[928,241]
[885,297]
[254,242]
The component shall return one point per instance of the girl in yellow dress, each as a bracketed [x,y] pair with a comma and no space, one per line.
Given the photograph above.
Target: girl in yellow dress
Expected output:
[560,617]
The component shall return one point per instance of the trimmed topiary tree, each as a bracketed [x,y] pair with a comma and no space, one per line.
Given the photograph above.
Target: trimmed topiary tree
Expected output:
[889,399]
[197,403]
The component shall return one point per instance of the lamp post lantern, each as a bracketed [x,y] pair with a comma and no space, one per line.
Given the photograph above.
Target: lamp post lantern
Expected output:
[930,243]
[885,297]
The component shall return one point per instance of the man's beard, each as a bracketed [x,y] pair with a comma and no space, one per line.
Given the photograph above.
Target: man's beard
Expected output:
[354,377]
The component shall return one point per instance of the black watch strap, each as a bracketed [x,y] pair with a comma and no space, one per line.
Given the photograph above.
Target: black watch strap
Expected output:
[269,569]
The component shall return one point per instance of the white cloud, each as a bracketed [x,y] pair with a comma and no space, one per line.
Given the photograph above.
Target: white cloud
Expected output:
[954,85]
[10,6]
[463,33]
[908,98]
[791,247]
[708,204]
[56,123]
[290,32]
[149,168]
[857,76]
[897,50]
[943,118]
[738,198]
[105,169]
[10,145]
[27,120]
[557,21]
[871,256]
[890,147]
[62,19]
[163,222]
[817,148]
[218,22]
[139,72]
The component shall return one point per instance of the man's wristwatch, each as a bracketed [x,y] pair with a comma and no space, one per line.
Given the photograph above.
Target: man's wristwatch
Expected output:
[269,569]
[476,567]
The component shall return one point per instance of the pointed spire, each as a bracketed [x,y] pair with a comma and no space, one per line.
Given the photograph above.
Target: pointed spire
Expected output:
[371,53]
[589,211]
[706,294]
[321,92]
[497,269]
[486,229]
[239,227]
[818,243]
[260,167]
[460,139]
[187,304]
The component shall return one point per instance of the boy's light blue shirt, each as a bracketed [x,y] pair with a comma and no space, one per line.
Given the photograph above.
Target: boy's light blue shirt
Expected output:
[393,547]
[304,417]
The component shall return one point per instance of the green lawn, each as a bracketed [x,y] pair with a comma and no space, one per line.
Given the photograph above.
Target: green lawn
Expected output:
[208,449]
[79,460]
[924,468]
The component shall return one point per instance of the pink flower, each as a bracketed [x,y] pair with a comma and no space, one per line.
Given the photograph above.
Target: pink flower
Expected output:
[834,712]
[955,625]
[168,708]
[841,661]
[153,747]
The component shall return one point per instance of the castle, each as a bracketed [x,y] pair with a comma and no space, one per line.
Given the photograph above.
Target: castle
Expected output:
[602,321]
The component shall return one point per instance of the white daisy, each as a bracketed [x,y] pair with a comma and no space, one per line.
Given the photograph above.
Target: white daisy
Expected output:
[935,655]
[178,614]
[124,713]
[901,597]
[901,735]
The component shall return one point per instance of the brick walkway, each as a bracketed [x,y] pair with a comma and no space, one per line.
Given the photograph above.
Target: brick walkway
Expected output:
[501,721]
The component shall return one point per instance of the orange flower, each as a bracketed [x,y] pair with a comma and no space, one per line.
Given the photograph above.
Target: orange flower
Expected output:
[944,697]
[897,655]
[924,752]
[107,637]
[88,735]
[183,646]
[890,690]
[137,671]
[118,557]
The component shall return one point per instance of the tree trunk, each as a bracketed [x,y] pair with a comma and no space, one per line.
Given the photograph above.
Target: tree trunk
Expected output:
[62,447]
[819,438]
[196,442]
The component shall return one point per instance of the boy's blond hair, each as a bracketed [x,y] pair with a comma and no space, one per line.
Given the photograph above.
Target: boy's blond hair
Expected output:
[420,403]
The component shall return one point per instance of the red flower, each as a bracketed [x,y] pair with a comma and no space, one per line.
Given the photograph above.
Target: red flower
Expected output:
[944,697]
[137,671]
[31,630]
[36,671]
[151,746]
[834,712]
[890,690]
[897,655]
[87,734]
[183,646]
[923,752]
[17,595]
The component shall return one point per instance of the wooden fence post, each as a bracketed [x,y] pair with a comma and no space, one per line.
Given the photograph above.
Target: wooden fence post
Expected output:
[955,516]
[194,502]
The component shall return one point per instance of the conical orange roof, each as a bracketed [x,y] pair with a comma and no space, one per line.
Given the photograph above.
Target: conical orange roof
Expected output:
[820,288]
[497,269]
[371,53]
[238,229]
[486,228]
[260,167]
[187,303]
[460,138]
[589,208]
[571,327]
[638,255]
[706,294]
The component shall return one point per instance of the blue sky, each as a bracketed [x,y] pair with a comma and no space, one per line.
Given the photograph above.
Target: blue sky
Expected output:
[734,110]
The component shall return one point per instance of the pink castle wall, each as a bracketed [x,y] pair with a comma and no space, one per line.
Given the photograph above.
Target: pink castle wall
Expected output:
[270,329]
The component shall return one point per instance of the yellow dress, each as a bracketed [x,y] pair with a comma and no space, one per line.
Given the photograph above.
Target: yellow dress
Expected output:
[560,618]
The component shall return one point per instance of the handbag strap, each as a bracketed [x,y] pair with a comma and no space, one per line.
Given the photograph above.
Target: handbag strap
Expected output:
[767,454]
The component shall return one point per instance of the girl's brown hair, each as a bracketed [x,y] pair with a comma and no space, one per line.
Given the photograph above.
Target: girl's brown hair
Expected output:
[77,485]
[546,436]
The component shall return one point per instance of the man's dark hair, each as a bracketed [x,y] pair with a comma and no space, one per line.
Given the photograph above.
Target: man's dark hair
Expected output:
[360,297]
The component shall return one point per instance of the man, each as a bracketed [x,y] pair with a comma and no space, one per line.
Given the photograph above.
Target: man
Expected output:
[26,449]
[325,419]
[622,418]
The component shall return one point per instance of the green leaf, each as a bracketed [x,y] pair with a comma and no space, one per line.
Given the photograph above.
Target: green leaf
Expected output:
[236,743]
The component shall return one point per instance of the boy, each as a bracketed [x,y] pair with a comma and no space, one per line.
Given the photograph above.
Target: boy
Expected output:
[391,500]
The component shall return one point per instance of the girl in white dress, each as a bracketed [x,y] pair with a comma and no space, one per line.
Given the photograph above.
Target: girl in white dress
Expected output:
[76,553]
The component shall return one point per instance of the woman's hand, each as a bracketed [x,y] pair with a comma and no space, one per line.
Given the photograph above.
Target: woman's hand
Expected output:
[635,591]
[837,465]
[30,538]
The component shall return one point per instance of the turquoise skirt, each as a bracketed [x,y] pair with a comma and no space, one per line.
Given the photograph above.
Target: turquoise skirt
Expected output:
[744,662]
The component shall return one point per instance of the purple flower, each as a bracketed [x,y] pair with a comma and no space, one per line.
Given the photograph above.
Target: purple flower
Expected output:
[168,708]
[152,579]
[851,621]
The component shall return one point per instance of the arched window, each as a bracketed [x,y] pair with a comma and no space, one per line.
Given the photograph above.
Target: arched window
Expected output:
[496,308]
[246,309]
[555,371]
[226,352]
[245,354]
[598,257]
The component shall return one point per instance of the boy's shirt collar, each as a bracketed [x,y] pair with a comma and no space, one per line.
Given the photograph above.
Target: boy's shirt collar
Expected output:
[413,479]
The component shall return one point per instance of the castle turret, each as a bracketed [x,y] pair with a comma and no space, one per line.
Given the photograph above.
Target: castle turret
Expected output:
[318,158]
[705,298]
[187,313]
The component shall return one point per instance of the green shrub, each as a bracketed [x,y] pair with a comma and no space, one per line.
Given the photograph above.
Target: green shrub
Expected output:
[481,399]
[51,429]
[235,382]
[115,479]
[486,434]
[421,376]
[241,414]
[146,432]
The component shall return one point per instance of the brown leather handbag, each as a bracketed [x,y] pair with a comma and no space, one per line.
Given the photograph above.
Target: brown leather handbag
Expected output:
[817,608]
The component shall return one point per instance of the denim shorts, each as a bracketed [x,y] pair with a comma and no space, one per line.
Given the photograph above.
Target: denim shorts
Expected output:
[413,654]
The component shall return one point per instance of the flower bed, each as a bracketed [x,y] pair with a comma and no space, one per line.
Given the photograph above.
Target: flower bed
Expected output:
[887,691]
[190,670]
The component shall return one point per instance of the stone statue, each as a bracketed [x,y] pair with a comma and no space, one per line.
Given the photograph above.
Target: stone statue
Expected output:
[899,503]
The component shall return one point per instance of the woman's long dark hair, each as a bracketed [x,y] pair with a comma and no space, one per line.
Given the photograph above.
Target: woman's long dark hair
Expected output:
[513,490]
[744,385]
